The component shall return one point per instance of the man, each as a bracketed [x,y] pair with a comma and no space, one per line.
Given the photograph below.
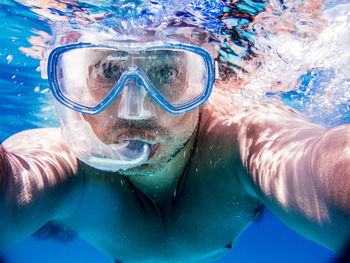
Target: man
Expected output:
[149,167]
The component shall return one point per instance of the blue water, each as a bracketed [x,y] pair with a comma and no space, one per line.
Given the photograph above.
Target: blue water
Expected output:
[26,103]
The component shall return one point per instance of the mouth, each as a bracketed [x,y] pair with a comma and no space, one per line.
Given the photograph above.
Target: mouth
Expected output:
[137,139]
[136,143]
[136,135]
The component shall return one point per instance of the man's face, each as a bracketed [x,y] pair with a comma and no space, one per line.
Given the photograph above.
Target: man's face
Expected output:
[166,133]
[161,79]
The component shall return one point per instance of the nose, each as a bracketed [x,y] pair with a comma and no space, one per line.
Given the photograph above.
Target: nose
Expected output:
[134,104]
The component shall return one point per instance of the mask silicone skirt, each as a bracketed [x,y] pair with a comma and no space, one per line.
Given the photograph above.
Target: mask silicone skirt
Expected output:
[87,79]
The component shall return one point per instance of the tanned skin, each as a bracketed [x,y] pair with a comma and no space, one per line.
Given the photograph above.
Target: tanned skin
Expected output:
[231,163]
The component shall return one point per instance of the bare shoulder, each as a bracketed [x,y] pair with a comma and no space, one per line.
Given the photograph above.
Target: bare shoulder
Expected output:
[43,138]
[272,114]
[249,125]
[273,129]
[45,147]
[40,165]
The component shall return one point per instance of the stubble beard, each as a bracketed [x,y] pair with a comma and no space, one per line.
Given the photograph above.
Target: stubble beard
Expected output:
[149,169]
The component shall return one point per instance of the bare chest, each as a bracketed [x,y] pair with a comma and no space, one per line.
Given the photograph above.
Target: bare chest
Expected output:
[196,221]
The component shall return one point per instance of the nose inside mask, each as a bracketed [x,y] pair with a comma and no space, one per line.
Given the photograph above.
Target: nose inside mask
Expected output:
[134,104]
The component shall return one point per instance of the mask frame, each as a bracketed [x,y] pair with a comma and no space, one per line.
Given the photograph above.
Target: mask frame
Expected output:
[151,90]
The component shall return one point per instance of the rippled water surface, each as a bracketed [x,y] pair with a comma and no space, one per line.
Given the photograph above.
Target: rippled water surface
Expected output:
[296,53]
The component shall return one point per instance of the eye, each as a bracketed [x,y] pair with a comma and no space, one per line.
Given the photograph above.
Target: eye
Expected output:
[98,64]
[164,75]
[168,72]
[112,71]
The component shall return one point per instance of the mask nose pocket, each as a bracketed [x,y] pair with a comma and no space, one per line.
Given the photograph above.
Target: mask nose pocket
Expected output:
[134,104]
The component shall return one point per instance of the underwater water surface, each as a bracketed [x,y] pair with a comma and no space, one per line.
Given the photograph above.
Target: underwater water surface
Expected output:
[306,66]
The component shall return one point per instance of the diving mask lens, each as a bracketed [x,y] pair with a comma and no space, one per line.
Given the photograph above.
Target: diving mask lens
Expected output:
[88,78]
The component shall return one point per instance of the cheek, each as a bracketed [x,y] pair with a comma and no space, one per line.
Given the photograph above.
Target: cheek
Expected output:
[182,123]
[105,120]
[101,124]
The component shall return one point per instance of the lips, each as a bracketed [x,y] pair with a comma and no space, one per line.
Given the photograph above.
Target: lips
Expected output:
[137,143]
[138,138]
[136,135]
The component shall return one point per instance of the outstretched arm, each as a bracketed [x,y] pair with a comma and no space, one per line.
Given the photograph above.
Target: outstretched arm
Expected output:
[300,171]
[38,183]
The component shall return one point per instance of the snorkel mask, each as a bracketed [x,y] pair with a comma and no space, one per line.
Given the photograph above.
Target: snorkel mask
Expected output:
[86,79]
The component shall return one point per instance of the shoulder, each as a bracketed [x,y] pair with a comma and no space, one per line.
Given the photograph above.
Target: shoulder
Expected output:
[270,113]
[235,118]
[41,164]
[35,138]
[43,144]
